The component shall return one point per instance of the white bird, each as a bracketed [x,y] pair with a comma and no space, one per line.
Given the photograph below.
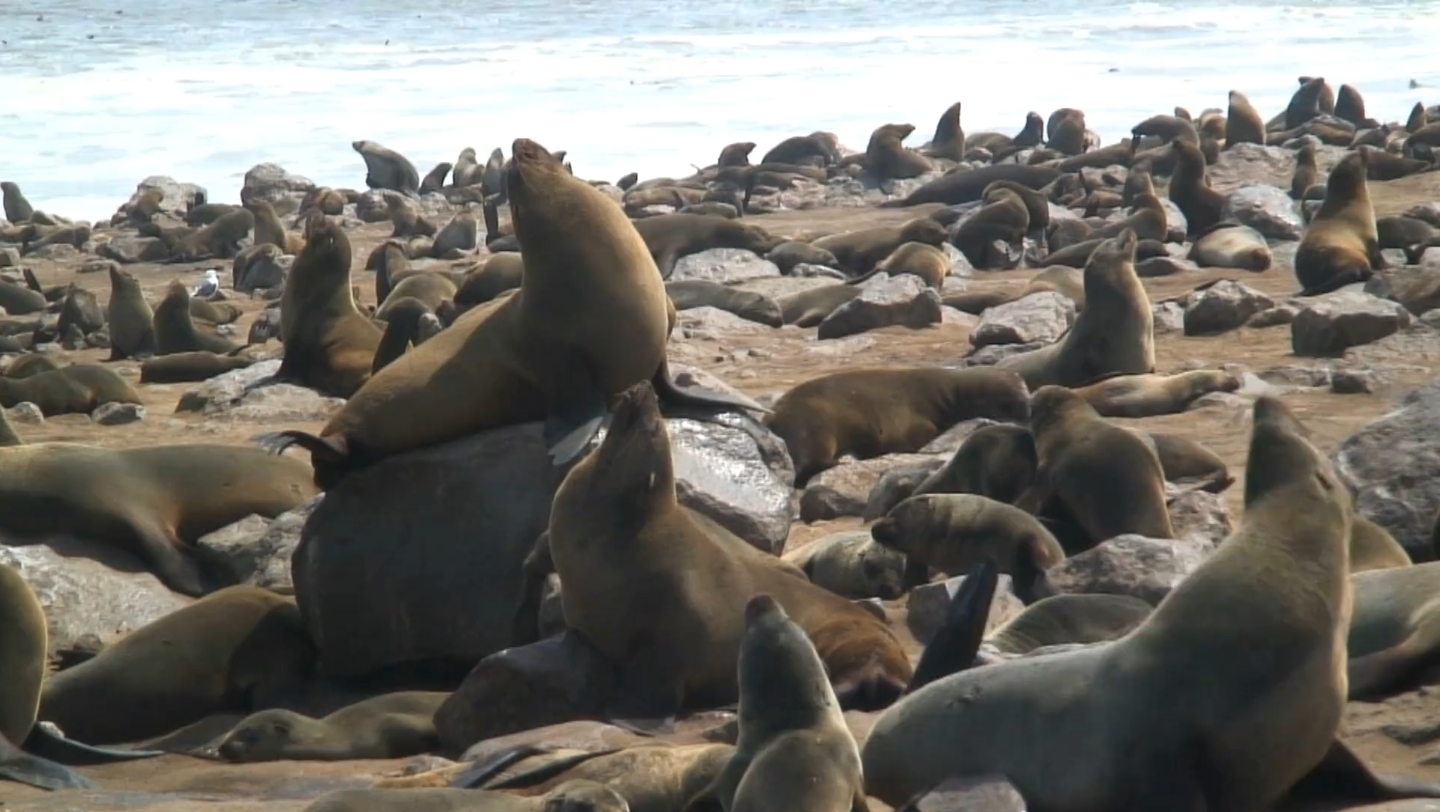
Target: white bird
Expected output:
[209,287]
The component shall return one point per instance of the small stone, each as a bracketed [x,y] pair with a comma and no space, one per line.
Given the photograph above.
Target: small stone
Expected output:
[1169,317]
[1352,382]
[1222,307]
[118,414]
[25,412]
[1038,318]
[884,301]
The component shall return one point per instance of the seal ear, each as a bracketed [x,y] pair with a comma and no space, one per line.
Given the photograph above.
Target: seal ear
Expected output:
[954,647]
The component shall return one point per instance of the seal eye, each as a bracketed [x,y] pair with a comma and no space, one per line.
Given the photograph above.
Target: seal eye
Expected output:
[281,729]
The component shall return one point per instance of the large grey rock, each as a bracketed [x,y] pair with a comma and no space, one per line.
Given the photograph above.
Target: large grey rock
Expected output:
[1328,325]
[845,489]
[1169,317]
[1197,515]
[1392,465]
[418,557]
[176,197]
[1176,224]
[1418,289]
[271,182]
[252,395]
[556,680]
[712,323]
[257,550]
[897,484]
[370,207]
[926,608]
[737,473]
[885,301]
[992,793]
[1040,317]
[724,265]
[1266,209]
[1251,164]
[259,267]
[1223,306]
[1132,565]
[88,588]
[130,250]
[852,564]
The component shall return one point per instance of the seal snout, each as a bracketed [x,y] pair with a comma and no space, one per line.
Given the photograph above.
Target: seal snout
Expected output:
[760,608]
[886,531]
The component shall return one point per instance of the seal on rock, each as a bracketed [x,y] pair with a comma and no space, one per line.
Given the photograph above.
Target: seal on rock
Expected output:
[672,236]
[887,158]
[810,307]
[387,726]
[1190,189]
[746,304]
[190,367]
[387,169]
[856,252]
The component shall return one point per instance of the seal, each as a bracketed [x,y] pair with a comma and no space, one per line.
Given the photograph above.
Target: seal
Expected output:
[17,208]
[428,287]
[434,180]
[1230,245]
[132,322]
[1187,462]
[816,149]
[1147,218]
[175,329]
[1179,714]
[810,307]
[270,231]
[1308,102]
[1005,218]
[949,140]
[1066,128]
[857,252]
[917,259]
[1113,334]
[748,305]
[1342,243]
[458,238]
[869,412]
[1306,171]
[29,364]
[672,236]
[1373,548]
[966,187]
[572,796]
[1243,125]
[887,157]
[955,533]
[499,273]
[467,169]
[190,367]
[329,345]
[213,312]
[409,322]
[1066,620]
[794,751]
[387,726]
[406,218]
[1190,189]
[1395,631]
[1084,463]
[221,239]
[1154,395]
[76,389]
[150,501]
[387,169]
[615,523]
[996,461]
[242,648]
[590,319]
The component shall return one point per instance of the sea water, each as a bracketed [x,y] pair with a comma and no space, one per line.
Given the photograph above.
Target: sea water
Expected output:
[99,94]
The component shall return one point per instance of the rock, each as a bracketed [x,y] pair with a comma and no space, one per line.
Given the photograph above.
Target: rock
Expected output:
[1418,289]
[177,197]
[992,793]
[723,265]
[1040,317]
[418,557]
[950,440]
[1132,565]
[1200,516]
[1392,465]
[845,489]
[995,353]
[93,266]
[257,550]
[259,267]
[928,602]
[1175,220]
[370,207]
[807,271]
[1222,307]
[1169,317]
[1328,325]
[737,473]
[1156,267]
[852,564]
[55,252]
[1352,382]
[713,324]
[884,301]
[1266,209]
[271,182]
[559,679]
[9,258]
[26,413]
[1283,313]
[130,250]
[1251,164]
[250,394]
[118,414]
[89,588]
[897,484]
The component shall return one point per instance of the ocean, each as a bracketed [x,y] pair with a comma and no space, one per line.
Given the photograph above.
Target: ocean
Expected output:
[102,93]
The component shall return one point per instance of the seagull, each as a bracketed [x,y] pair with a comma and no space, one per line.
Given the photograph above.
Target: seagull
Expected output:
[209,287]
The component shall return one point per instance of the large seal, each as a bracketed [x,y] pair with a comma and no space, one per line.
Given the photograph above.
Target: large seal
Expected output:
[387,169]
[387,726]
[590,319]
[408,322]
[1243,125]
[1373,548]
[672,236]
[955,533]
[1342,244]
[17,208]
[870,412]
[1153,395]
[150,501]
[1190,189]
[859,251]
[794,751]
[242,648]
[132,322]
[329,345]
[1114,334]
[615,523]
[1105,478]
[887,157]
[76,389]
[175,329]
[949,140]
[1197,708]
[499,273]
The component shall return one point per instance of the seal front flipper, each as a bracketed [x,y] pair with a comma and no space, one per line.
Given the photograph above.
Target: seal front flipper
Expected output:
[1341,775]
[17,765]
[329,456]
[954,646]
[48,743]
[575,408]
[673,393]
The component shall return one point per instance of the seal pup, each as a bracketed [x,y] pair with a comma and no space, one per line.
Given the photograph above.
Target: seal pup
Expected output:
[590,319]
[1231,245]
[175,329]
[615,522]
[1342,243]
[329,346]
[1306,171]
[1243,125]
[794,752]
[917,259]
[1004,218]
[869,412]
[1105,478]
[1113,334]
[242,648]
[406,218]
[387,169]
[387,726]
[1395,630]
[1154,395]
[1195,709]
[1190,189]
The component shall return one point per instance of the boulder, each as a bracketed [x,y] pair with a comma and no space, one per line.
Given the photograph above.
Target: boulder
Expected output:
[118,414]
[1328,325]
[271,182]
[724,265]
[885,301]
[897,484]
[1265,208]
[1222,307]
[252,395]
[737,473]
[259,267]
[257,550]
[1169,317]
[1040,317]
[990,793]
[176,198]
[845,489]
[1132,565]
[370,207]
[714,324]
[130,250]
[928,602]
[1418,289]
[1197,515]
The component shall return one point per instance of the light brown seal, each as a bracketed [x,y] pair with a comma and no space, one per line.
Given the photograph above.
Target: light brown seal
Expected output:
[1231,245]
[691,293]
[1306,171]
[1154,395]
[1342,243]
[270,231]
[1395,631]
[75,389]
[386,726]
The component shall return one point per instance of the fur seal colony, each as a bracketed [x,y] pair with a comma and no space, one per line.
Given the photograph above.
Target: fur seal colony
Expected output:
[1031,378]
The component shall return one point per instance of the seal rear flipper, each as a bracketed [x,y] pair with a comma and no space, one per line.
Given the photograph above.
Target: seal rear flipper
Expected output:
[534,776]
[1341,775]
[47,742]
[673,393]
[329,456]
[17,765]
[954,646]
[481,773]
